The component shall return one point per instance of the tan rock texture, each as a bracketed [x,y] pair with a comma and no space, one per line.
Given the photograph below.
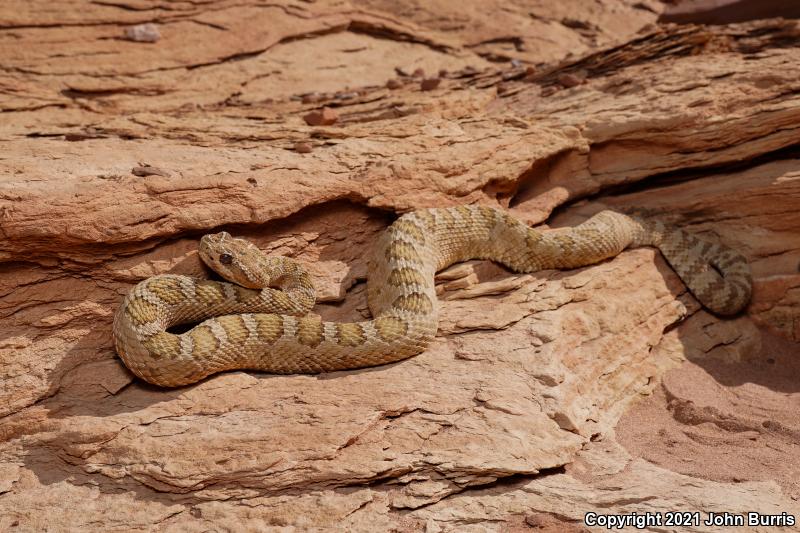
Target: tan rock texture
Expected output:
[545,396]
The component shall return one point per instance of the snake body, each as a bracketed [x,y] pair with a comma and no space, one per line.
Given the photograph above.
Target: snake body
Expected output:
[260,322]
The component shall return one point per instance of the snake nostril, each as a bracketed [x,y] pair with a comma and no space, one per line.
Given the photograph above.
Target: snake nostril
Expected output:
[225,259]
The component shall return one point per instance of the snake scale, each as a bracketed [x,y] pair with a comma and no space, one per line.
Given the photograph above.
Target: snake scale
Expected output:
[260,321]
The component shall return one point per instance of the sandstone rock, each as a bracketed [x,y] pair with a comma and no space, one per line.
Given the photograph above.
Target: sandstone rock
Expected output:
[545,395]
[569,80]
[325,117]
[303,148]
[143,33]
[429,84]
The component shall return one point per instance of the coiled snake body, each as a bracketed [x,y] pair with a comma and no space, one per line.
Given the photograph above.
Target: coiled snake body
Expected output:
[259,321]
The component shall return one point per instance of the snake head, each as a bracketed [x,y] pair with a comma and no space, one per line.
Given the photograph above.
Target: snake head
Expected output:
[234,259]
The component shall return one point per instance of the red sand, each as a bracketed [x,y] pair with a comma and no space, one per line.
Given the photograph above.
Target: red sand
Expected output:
[725,421]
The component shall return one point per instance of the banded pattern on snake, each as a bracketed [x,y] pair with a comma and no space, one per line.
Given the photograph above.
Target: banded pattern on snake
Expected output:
[260,321]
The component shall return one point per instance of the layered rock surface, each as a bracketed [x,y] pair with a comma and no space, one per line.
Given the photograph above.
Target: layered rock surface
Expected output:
[545,396]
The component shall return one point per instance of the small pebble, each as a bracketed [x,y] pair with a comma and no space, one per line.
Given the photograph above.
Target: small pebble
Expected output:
[143,33]
[302,148]
[419,73]
[326,117]
[443,73]
[430,84]
[394,84]
[569,80]
[252,181]
[311,98]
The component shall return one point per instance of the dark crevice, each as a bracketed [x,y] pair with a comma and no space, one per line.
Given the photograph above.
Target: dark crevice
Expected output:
[102,93]
[53,25]
[181,328]
[533,181]
[516,41]
[104,251]
[32,108]
[504,483]
[254,53]
[39,134]
[529,184]
[128,7]
[231,58]
[513,480]
[674,177]
[209,24]
[384,32]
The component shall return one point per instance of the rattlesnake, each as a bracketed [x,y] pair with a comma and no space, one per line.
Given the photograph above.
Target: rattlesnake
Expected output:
[272,295]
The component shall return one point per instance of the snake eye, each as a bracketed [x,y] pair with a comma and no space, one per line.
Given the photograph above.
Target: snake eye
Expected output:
[225,259]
